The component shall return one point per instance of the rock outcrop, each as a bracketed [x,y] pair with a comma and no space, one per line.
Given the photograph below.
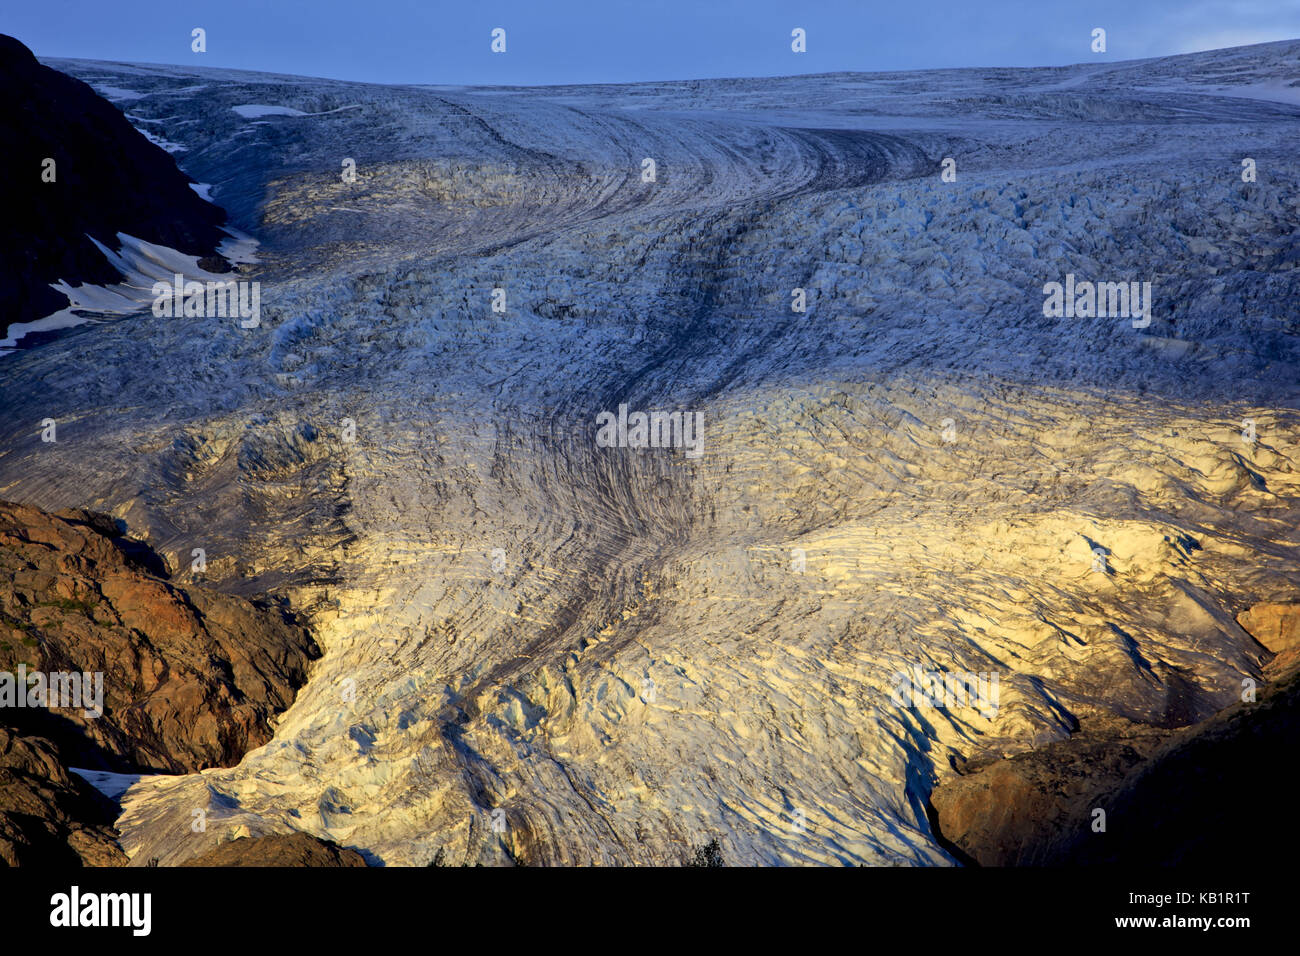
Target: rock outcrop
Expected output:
[1277,627]
[48,816]
[1165,797]
[190,677]
[1017,811]
[107,178]
[287,849]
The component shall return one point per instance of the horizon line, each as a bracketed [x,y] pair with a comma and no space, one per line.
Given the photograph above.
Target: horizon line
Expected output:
[697,79]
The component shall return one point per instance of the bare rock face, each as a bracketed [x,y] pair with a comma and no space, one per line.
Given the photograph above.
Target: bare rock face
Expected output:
[107,179]
[1181,797]
[49,817]
[1197,801]
[190,677]
[292,849]
[1276,626]
[1019,811]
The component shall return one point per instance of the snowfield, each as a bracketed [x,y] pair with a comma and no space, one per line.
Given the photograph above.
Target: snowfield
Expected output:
[141,264]
[546,651]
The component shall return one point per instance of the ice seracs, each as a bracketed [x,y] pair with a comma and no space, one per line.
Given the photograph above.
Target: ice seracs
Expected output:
[1098,300]
[655,429]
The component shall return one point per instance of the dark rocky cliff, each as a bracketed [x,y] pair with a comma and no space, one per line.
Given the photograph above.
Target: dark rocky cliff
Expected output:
[108,178]
[191,677]
[1189,796]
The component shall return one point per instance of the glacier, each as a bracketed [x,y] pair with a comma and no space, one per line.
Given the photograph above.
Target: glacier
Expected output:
[540,650]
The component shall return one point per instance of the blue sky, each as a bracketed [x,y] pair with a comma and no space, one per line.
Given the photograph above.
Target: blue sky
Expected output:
[574,41]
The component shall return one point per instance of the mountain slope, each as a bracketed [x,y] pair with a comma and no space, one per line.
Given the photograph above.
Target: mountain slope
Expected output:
[106,178]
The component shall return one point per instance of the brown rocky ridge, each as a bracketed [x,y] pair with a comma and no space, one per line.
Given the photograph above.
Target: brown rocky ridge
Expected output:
[48,816]
[1186,796]
[187,678]
[280,849]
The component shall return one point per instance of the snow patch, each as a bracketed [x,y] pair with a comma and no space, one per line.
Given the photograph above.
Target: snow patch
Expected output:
[141,264]
[240,249]
[111,785]
[115,94]
[256,110]
[157,140]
